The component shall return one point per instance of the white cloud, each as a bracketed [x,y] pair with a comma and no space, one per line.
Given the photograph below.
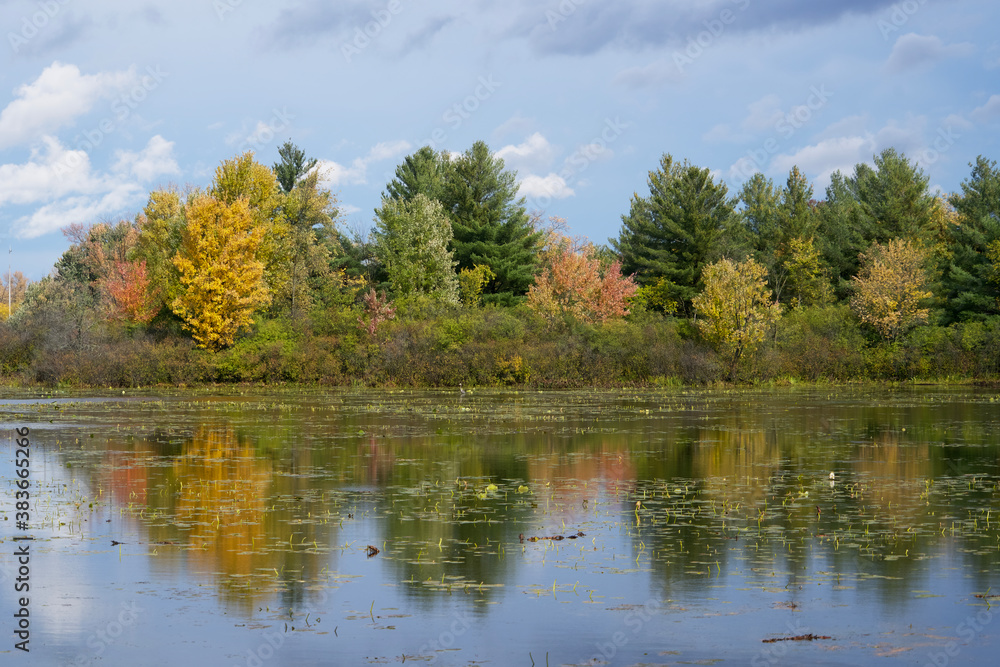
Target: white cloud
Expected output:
[387,150]
[55,99]
[654,74]
[724,133]
[912,50]
[72,190]
[335,174]
[954,120]
[54,173]
[82,210]
[988,111]
[826,157]
[156,159]
[516,124]
[765,113]
[535,154]
[553,186]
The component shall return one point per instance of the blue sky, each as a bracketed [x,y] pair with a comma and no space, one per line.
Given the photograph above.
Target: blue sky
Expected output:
[102,101]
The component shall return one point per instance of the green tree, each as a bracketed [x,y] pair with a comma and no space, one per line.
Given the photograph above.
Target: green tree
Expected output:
[737,309]
[314,245]
[491,227]
[874,205]
[161,225]
[422,173]
[411,240]
[969,291]
[675,232]
[293,167]
[804,278]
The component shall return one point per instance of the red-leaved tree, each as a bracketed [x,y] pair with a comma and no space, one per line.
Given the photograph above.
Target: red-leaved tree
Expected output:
[573,284]
[127,290]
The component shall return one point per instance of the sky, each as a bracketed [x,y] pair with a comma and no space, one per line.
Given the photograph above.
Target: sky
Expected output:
[103,101]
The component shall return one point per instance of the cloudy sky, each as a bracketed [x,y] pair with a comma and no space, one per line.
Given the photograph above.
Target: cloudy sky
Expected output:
[103,100]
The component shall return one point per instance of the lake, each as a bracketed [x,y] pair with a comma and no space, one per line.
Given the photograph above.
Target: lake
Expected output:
[253,527]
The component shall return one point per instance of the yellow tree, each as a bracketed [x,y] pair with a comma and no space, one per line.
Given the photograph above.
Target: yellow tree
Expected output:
[890,287]
[737,309]
[221,271]
[242,177]
[14,288]
[805,281]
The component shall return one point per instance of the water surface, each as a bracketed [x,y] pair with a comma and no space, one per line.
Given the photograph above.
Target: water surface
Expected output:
[560,528]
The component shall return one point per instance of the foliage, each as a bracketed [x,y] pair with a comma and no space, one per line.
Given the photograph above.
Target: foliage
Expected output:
[161,225]
[805,281]
[130,295]
[15,287]
[244,178]
[737,307]
[423,173]
[674,232]
[490,224]
[874,205]
[221,272]
[294,166]
[573,284]
[471,283]
[377,310]
[968,290]
[889,290]
[411,241]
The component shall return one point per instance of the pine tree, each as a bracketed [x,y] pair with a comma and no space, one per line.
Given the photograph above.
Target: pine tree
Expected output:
[293,167]
[491,227]
[969,290]
[423,173]
[674,232]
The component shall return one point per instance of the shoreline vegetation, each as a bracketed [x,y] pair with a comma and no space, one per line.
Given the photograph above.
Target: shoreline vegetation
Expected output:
[253,280]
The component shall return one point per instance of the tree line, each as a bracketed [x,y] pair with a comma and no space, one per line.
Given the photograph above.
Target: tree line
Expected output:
[257,270]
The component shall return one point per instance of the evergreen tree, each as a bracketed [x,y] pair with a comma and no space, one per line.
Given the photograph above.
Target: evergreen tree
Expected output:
[674,233]
[874,205]
[969,287]
[423,173]
[293,167]
[894,198]
[491,227]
